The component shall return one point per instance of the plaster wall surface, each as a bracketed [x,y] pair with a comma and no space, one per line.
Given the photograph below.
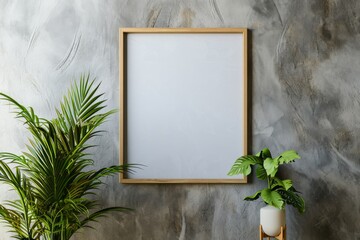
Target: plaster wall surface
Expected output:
[305,58]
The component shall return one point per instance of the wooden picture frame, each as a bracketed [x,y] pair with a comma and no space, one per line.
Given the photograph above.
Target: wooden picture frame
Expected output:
[167,106]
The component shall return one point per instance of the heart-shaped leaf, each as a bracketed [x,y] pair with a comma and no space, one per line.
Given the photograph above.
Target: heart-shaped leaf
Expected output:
[287,183]
[271,166]
[272,198]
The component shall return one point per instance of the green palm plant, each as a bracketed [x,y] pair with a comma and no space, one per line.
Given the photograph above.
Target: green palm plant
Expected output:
[278,192]
[52,178]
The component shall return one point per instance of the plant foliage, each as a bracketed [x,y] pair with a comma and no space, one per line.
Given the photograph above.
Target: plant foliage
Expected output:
[279,192]
[52,178]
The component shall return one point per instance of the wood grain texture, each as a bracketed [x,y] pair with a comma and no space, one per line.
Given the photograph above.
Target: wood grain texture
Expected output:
[183,181]
[184,30]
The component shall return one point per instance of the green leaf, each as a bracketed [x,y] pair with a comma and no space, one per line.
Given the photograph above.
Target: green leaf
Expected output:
[272,198]
[253,197]
[243,165]
[276,183]
[288,156]
[261,172]
[293,199]
[271,166]
[101,213]
[287,183]
[283,184]
[55,177]
[265,153]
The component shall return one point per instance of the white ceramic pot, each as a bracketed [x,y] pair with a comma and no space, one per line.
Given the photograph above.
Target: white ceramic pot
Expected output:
[271,220]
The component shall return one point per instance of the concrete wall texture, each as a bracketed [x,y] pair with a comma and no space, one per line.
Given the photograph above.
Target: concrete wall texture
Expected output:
[305,58]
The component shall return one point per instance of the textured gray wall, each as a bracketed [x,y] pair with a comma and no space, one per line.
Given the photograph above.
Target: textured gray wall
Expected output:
[305,95]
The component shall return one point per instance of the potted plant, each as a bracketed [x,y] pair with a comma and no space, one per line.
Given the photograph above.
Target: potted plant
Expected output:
[53,178]
[278,192]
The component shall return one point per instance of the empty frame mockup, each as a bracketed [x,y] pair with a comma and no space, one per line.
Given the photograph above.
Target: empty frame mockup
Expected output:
[183,110]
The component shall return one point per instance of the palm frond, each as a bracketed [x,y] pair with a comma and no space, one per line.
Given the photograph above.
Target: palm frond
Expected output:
[52,177]
[101,213]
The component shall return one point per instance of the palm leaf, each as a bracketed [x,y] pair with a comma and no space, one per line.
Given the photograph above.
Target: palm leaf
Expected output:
[55,165]
[102,213]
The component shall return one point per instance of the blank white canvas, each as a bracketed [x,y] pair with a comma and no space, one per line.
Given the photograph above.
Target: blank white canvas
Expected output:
[184,104]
